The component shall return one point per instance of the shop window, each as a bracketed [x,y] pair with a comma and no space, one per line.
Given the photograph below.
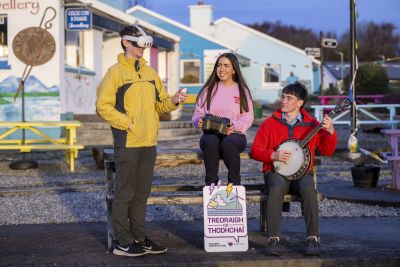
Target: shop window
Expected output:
[3,38]
[271,75]
[74,42]
[190,71]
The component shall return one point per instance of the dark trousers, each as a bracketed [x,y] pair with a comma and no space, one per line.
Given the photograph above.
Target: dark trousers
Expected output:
[277,186]
[134,175]
[226,147]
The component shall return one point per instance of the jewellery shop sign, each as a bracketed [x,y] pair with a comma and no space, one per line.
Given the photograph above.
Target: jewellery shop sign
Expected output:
[78,19]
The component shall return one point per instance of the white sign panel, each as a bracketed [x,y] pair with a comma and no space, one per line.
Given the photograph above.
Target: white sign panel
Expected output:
[313,51]
[329,42]
[225,218]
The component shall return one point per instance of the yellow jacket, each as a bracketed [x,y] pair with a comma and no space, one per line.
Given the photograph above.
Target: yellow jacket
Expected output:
[126,95]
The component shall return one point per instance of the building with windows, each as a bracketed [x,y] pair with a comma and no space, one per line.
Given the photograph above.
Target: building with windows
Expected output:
[67,82]
[198,51]
[273,63]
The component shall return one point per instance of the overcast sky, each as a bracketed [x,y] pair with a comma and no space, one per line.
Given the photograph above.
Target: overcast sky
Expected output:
[319,15]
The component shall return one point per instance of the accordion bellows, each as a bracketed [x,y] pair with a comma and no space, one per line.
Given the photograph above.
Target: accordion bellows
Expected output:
[215,124]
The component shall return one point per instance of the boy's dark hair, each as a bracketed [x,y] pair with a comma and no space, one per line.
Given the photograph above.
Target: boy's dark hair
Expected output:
[129,30]
[297,89]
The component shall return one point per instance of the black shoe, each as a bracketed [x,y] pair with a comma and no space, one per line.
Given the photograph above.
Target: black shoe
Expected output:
[312,247]
[131,250]
[151,247]
[273,247]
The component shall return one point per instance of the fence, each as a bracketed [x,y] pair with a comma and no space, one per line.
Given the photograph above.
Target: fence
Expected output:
[370,117]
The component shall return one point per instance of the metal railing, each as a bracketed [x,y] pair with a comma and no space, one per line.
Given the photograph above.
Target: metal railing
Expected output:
[369,117]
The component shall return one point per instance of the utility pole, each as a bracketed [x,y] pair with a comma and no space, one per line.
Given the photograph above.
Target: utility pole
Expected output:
[321,87]
[353,56]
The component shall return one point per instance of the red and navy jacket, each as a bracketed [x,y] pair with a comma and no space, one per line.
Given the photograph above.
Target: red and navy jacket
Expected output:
[275,130]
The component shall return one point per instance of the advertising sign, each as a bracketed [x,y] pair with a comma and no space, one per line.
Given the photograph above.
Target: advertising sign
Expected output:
[225,218]
[313,51]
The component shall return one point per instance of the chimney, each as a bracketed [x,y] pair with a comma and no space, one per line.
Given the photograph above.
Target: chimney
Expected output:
[201,17]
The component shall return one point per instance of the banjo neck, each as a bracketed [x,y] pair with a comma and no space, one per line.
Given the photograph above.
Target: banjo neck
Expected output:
[307,139]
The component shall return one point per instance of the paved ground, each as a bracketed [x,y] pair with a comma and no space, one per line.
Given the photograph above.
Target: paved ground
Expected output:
[345,242]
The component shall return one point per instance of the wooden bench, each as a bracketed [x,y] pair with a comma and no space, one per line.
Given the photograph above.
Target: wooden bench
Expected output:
[46,142]
[394,156]
[188,194]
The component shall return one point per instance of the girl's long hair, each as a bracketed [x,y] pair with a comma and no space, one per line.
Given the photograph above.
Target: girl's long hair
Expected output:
[211,86]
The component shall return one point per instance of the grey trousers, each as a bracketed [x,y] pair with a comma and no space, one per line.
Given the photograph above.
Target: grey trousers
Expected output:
[277,186]
[134,175]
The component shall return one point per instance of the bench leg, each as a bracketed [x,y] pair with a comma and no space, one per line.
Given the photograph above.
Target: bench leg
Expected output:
[109,200]
[286,207]
[110,230]
[263,214]
[72,161]
[396,174]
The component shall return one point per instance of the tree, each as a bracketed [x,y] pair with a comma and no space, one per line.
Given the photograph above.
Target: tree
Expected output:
[370,79]
[373,40]
[300,37]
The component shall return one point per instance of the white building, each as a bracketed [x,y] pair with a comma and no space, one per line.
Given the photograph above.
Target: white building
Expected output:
[68,81]
[272,61]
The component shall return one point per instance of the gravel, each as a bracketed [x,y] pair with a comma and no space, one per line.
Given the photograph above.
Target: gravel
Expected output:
[90,206]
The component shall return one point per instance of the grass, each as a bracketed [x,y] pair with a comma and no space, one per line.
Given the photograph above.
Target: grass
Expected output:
[30,94]
[2,101]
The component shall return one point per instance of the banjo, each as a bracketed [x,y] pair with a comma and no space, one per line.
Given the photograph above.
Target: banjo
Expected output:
[300,158]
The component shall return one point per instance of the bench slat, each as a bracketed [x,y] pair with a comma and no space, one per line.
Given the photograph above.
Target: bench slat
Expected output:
[183,199]
[39,146]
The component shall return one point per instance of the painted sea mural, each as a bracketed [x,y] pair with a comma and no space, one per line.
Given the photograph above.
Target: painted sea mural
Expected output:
[42,103]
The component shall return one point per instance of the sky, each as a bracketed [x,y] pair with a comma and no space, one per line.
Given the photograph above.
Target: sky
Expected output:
[318,15]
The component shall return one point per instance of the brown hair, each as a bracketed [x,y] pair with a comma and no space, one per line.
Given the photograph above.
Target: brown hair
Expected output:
[211,86]
[129,30]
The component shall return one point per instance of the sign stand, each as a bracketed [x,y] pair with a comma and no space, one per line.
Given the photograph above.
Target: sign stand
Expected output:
[40,50]
[225,218]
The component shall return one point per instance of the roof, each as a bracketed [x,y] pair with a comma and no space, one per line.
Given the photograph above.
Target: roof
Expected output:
[392,69]
[265,36]
[243,59]
[118,14]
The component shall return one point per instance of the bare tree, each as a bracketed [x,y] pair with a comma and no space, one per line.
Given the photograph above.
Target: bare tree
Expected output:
[300,37]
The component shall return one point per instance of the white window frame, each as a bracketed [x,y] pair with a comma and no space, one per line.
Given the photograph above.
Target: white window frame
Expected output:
[183,61]
[271,84]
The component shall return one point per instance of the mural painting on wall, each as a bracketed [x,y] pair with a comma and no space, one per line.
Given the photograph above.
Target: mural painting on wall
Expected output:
[33,46]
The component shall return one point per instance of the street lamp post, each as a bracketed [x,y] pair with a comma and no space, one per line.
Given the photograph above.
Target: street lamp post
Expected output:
[353,56]
[341,68]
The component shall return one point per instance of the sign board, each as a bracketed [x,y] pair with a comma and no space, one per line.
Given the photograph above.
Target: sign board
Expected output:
[225,218]
[78,19]
[329,42]
[313,51]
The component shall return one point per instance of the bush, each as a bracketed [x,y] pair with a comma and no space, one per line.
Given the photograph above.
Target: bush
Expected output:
[370,79]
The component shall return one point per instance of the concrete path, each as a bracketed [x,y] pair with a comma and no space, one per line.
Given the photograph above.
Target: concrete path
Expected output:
[344,242]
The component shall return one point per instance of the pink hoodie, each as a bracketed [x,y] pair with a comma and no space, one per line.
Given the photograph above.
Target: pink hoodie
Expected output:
[226,103]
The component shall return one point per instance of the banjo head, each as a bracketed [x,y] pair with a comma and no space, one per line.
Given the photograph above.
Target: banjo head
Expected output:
[298,162]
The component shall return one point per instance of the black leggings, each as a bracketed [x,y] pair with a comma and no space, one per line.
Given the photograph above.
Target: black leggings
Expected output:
[228,148]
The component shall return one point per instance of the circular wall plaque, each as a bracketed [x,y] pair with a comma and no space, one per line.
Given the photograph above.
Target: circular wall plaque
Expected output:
[34,46]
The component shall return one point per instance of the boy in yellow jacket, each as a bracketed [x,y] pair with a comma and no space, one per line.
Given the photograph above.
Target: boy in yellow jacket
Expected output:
[130,98]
